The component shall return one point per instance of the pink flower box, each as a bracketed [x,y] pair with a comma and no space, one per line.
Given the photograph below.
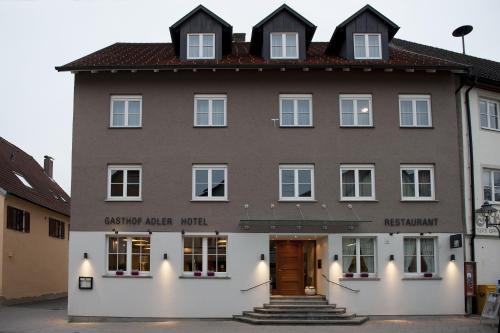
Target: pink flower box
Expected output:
[135,273]
[427,275]
[210,273]
[197,273]
[364,275]
[349,275]
[119,273]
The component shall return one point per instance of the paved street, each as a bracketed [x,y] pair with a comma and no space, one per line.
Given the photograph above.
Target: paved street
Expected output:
[50,317]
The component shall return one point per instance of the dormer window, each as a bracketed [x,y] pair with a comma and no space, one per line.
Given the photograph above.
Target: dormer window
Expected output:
[367,46]
[201,46]
[284,45]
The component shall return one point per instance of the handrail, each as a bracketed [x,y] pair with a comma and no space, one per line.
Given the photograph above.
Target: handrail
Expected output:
[260,284]
[340,285]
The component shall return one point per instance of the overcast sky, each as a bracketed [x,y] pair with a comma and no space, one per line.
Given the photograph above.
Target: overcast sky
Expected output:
[37,102]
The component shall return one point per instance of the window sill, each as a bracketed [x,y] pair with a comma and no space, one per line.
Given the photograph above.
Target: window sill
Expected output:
[127,276]
[125,127]
[418,200]
[209,200]
[358,200]
[348,126]
[359,279]
[123,200]
[189,277]
[203,126]
[308,126]
[490,129]
[297,200]
[421,278]
[416,127]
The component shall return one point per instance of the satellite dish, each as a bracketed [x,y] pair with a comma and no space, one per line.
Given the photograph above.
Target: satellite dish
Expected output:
[461,32]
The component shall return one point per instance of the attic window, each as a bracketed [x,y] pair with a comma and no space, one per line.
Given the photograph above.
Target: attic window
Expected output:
[367,46]
[23,180]
[201,46]
[284,45]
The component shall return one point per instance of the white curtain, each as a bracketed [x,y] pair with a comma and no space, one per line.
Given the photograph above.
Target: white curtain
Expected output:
[410,253]
[427,255]
[349,255]
[367,255]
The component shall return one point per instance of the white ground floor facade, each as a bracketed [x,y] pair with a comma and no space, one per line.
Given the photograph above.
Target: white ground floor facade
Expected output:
[167,291]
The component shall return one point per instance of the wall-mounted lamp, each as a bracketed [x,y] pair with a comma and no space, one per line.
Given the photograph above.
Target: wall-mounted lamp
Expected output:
[183,232]
[85,255]
[335,257]
[216,232]
[165,256]
[115,231]
[262,256]
[391,233]
[452,257]
[391,257]
[149,232]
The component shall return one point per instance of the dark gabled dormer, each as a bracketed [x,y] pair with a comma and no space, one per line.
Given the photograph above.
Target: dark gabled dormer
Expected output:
[201,35]
[282,35]
[363,36]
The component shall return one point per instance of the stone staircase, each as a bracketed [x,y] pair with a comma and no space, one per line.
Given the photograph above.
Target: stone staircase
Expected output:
[299,310]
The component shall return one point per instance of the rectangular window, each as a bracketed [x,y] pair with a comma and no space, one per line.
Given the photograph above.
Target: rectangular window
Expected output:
[491,185]
[295,110]
[296,182]
[356,110]
[488,111]
[357,182]
[417,182]
[56,228]
[201,46]
[205,254]
[358,255]
[18,219]
[415,111]
[284,45]
[419,255]
[210,110]
[129,254]
[367,46]
[126,111]
[209,182]
[124,182]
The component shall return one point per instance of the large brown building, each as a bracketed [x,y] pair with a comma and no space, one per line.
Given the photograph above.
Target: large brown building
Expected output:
[34,212]
[206,167]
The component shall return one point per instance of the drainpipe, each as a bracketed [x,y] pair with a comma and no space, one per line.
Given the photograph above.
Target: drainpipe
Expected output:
[472,180]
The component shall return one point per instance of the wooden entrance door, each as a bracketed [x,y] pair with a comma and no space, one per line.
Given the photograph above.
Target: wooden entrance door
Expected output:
[289,268]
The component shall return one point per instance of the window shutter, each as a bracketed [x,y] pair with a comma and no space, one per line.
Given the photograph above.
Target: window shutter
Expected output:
[26,222]
[10,217]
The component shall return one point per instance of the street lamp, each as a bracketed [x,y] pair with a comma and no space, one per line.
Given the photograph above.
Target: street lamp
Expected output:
[488,212]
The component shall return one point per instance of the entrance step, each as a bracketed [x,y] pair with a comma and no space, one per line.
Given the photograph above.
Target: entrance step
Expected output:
[255,321]
[299,310]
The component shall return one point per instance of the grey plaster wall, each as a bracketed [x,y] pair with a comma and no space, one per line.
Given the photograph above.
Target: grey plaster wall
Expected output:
[167,145]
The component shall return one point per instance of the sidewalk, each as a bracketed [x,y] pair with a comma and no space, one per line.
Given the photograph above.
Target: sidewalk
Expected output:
[50,317]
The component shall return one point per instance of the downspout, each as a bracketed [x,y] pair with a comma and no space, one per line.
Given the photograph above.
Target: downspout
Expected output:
[471,169]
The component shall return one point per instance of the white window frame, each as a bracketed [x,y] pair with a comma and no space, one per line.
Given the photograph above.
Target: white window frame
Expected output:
[283,45]
[416,168]
[367,48]
[358,256]
[129,237]
[210,99]
[124,168]
[210,168]
[354,98]
[414,99]
[126,99]
[295,98]
[357,168]
[204,251]
[419,255]
[296,168]
[491,184]
[488,102]
[200,46]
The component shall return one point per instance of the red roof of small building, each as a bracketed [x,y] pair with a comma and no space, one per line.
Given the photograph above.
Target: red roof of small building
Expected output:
[45,192]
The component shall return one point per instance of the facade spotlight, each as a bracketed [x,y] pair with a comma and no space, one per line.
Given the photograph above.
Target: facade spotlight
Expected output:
[452,257]
[335,257]
[262,257]
[165,256]
[85,255]
[391,257]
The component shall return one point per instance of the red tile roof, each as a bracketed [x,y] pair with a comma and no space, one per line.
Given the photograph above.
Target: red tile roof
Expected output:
[162,55]
[45,191]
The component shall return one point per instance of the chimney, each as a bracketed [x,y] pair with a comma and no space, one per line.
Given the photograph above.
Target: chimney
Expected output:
[238,37]
[48,165]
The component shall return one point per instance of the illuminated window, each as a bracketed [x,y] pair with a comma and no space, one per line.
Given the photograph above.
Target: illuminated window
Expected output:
[205,255]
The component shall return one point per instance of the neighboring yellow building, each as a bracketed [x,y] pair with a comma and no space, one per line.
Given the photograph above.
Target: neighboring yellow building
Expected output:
[34,233]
